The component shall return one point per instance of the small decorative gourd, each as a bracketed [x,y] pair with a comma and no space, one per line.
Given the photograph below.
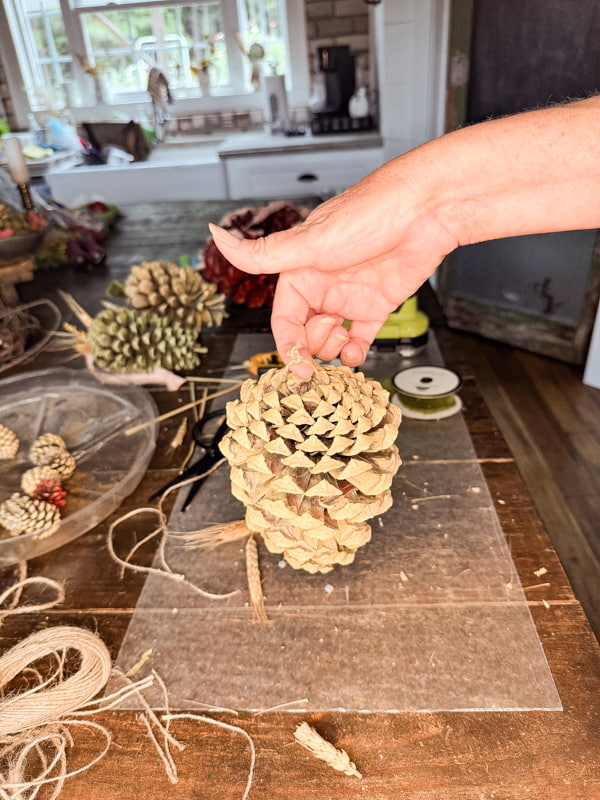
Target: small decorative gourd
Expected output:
[312,461]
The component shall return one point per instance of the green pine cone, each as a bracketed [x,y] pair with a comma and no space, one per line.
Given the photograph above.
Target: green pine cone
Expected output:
[179,293]
[127,340]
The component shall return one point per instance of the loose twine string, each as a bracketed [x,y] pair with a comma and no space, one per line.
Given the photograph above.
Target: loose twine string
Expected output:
[17,324]
[36,723]
[11,597]
[209,536]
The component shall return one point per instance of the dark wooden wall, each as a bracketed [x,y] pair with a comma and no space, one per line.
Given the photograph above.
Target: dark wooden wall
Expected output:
[526,53]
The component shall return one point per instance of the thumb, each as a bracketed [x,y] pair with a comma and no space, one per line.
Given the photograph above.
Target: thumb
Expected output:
[278,252]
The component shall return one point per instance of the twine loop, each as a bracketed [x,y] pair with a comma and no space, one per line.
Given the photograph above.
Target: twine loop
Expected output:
[45,702]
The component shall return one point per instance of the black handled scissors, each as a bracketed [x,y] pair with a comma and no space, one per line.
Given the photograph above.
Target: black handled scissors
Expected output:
[212,457]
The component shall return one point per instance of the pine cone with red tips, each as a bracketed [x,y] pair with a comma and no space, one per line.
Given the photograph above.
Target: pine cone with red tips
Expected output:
[254,291]
[50,491]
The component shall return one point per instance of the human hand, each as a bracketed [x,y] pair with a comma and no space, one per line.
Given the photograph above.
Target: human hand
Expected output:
[356,257]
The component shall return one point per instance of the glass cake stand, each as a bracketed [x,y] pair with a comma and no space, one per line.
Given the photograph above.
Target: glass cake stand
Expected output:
[93,419]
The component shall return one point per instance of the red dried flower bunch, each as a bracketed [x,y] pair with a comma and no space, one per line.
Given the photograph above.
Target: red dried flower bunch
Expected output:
[51,492]
[254,291]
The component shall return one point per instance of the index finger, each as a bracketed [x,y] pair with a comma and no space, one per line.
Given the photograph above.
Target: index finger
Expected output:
[291,312]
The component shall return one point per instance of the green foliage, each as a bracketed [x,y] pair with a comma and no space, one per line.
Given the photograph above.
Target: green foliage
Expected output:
[115,289]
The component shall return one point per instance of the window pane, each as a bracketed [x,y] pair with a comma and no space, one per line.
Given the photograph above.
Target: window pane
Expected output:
[49,63]
[179,39]
[263,22]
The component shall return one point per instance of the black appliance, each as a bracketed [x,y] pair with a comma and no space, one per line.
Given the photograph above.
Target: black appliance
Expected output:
[337,66]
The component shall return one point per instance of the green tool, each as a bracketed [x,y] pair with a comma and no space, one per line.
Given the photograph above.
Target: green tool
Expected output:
[405,330]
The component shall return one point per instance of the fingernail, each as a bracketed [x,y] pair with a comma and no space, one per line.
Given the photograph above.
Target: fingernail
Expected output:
[352,355]
[223,236]
[327,320]
[340,337]
[302,370]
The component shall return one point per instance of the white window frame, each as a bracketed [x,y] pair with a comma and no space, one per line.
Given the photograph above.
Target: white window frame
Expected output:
[237,98]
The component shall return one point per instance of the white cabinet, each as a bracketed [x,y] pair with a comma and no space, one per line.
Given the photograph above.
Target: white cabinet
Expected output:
[277,175]
[144,182]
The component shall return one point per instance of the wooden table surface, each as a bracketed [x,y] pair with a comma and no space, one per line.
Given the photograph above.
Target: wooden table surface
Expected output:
[438,756]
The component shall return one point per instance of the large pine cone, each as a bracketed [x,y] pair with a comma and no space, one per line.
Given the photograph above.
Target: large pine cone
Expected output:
[312,461]
[9,443]
[22,514]
[126,340]
[179,293]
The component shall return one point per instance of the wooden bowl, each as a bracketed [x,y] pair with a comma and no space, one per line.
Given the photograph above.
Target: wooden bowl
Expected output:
[20,245]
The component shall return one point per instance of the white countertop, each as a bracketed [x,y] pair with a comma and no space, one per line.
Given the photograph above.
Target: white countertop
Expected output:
[263,143]
[204,167]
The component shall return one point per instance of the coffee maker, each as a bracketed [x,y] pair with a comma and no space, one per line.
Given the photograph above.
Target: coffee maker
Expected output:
[337,70]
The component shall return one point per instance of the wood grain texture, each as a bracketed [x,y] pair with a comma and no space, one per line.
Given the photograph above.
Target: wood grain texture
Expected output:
[551,422]
[443,756]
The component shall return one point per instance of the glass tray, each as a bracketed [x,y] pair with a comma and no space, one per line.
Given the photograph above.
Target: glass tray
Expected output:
[92,419]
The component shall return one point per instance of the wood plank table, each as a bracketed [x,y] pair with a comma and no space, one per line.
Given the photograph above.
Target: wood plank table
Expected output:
[539,755]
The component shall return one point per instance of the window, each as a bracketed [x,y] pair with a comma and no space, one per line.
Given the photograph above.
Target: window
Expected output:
[68,50]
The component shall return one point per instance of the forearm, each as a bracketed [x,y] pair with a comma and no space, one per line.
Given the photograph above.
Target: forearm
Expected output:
[531,173]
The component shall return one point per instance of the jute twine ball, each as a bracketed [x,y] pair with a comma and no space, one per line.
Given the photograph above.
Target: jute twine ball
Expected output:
[312,461]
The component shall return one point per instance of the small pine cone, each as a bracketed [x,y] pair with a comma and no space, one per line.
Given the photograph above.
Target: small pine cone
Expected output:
[9,443]
[43,442]
[312,461]
[22,514]
[180,294]
[127,340]
[61,461]
[32,477]
[50,491]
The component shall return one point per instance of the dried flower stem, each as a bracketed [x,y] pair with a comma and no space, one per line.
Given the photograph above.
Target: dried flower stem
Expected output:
[181,409]
[213,535]
[200,379]
[320,748]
